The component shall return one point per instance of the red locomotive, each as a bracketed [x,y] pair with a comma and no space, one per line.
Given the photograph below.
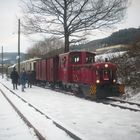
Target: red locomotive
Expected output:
[77,71]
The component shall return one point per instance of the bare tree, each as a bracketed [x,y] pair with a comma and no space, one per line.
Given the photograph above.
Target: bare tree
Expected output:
[42,48]
[71,18]
[34,51]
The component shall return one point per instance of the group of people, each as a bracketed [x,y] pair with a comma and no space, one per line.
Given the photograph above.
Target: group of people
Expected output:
[22,78]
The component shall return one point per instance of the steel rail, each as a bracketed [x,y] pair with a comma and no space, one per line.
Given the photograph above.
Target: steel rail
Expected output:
[105,101]
[71,134]
[38,134]
[123,101]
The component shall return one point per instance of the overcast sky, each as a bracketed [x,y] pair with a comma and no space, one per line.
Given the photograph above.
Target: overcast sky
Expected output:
[9,13]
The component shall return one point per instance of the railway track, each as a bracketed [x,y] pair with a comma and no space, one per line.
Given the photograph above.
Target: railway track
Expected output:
[121,104]
[39,135]
[113,102]
[108,101]
[11,123]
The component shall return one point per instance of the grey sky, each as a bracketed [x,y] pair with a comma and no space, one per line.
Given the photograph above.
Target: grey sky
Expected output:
[9,11]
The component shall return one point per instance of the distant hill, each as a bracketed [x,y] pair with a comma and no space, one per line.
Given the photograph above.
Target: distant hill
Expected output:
[10,58]
[125,36]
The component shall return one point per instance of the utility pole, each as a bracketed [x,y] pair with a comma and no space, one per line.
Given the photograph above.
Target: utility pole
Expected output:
[2,60]
[19,46]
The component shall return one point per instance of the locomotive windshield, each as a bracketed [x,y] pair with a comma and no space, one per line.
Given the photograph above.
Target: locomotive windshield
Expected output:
[106,75]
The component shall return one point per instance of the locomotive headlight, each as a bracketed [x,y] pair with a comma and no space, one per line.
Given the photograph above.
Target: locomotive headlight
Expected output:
[97,81]
[106,65]
[114,81]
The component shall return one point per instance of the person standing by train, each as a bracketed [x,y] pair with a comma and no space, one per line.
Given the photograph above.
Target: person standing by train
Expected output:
[23,79]
[15,77]
[30,78]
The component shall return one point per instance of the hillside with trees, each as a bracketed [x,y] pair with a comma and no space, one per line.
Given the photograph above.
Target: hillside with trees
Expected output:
[125,37]
[11,57]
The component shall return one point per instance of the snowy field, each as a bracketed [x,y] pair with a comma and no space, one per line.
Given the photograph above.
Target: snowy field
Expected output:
[89,120]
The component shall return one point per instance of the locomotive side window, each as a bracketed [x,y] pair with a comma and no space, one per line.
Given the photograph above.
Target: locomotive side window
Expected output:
[90,58]
[63,61]
[75,58]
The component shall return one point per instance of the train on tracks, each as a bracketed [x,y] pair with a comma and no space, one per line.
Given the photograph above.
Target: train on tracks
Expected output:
[78,72]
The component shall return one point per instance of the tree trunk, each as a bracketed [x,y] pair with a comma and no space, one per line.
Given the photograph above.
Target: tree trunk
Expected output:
[66,43]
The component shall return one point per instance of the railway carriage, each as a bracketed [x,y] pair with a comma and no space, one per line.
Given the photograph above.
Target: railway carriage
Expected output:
[47,70]
[28,65]
[38,70]
[52,69]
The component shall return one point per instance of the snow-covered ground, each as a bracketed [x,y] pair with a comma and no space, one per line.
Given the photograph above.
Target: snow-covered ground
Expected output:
[11,125]
[132,94]
[87,119]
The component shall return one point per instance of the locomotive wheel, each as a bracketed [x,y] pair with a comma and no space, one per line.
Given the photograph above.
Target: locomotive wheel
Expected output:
[79,93]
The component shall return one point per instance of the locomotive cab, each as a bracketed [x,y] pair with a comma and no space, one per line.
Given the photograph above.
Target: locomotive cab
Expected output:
[73,59]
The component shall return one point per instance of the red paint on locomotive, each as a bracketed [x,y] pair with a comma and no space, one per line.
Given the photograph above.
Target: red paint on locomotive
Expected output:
[69,61]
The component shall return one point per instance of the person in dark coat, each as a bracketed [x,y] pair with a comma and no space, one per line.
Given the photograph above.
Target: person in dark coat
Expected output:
[30,78]
[23,79]
[15,77]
